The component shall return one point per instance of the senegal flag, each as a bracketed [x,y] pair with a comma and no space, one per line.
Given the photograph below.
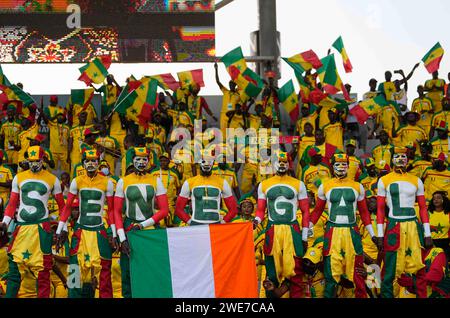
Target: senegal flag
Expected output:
[14,92]
[304,61]
[339,45]
[82,97]
[204,261]
[4,82]
[188,78]
[329,77]
[166,81]
[250,83]
[289,98]
[138,103]
[95,71]
[433,58]
[234,62]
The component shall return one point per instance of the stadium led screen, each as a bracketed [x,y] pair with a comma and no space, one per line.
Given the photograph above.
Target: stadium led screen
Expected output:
[132,31]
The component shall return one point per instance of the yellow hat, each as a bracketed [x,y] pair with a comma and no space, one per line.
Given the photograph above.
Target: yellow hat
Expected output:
[351,142]
[340,157]
[283,156]
[400,150]
[164,154]
[35,153]
[90,154]
[141,152]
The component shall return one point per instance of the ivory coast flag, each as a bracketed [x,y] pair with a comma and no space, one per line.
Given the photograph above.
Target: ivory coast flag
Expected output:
[339,45]
[433,58]
[304,61]
[82,97]
[234,62]
[289,98]
[95,71]
[203,261]
[190,77]
[166,81]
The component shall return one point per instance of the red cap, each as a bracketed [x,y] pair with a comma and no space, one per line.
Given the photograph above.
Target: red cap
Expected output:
[441,156]
[271,74]
[53,99]
[89,131]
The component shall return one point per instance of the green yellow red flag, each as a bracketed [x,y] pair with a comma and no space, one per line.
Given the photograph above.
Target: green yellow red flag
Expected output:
[432,60]
[96,70]
[339,46]
[289,99]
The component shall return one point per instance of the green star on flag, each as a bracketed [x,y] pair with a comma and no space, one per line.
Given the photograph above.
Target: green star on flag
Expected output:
[134,111]
[342,253]
[439,228]
[33,153]
[87,258]
[26,255]
[408,252]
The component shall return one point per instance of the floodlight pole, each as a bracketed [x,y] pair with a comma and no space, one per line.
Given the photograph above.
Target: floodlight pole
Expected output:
[268,39]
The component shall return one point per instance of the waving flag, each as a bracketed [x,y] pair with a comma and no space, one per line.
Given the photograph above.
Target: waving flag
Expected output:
[166,81]
[329,77]
[432,60]
[190,77]
[250,83]
[95,71]
[138,100]
[234,62]
[339,46]
[289,99]
[4,82]
[82,97]
[304,61]
[204,261]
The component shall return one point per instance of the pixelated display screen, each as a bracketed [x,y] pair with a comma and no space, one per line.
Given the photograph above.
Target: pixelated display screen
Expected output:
[132,31]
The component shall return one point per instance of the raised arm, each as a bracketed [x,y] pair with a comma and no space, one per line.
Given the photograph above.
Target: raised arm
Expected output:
[216,68]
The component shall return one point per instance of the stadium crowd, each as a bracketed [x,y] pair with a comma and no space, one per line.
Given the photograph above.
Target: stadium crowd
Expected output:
[332,218]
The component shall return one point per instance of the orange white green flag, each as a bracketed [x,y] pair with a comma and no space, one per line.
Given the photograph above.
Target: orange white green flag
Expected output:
[205,261]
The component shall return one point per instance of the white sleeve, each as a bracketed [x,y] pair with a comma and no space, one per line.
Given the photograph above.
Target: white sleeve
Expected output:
[73,187]
[261,194]
[302,193]
[226,192]
[15,185]
[362,193]
[381,190]
[321,194]
[119,189]
[160,190]
[110,188]
[420,188]
[185,192]
[57,187]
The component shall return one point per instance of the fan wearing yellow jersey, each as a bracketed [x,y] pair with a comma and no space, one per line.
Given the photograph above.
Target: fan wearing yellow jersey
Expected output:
[139,191]
[30,250]
[6,178]
[404,238]
[90,252]
[441,143]
[206,192]
[439,209]
[343,252]
[285,243]
[436,177]
[170,178]
[435,90]
[10,129]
